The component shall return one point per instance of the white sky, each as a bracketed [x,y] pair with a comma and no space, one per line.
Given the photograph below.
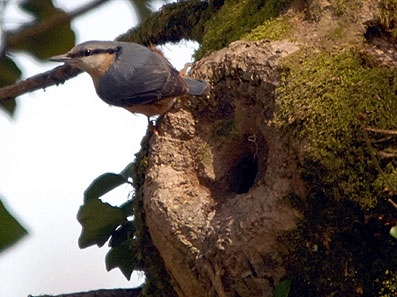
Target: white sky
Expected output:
[60,140]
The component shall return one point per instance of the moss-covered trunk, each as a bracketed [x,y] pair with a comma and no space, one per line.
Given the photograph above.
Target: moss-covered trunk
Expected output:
[274,176]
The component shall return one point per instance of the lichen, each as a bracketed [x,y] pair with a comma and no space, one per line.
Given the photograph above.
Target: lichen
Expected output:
[324,101]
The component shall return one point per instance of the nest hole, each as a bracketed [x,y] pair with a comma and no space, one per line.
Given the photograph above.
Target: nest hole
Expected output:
[243,174]
[376,31]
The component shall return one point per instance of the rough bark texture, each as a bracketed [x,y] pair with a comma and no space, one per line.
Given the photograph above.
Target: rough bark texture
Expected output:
[217,175]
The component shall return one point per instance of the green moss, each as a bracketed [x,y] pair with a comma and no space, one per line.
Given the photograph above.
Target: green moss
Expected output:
[343,244]
[272,29]
[343,7]
[389,284]
[235,19]
[322,96]
[226,128]
[335,35]
[390,174]
[388,15]
[337,251]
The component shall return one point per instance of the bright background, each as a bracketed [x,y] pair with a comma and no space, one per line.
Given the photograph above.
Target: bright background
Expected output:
[60,140]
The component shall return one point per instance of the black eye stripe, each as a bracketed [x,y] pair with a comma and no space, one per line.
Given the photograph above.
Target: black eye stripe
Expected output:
[91,52]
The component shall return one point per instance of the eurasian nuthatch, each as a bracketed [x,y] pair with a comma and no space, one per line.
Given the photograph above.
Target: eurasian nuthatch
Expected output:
[132,76]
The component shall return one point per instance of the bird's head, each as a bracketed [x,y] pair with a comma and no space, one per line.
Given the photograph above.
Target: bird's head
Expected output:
[94,57]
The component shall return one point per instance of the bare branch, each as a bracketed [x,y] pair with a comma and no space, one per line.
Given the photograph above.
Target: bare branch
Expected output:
[386,155]
[31,31]
[388,132]
[52,77]
[102,293]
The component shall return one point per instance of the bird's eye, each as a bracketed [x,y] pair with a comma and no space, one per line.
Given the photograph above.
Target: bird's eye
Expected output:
[87,53]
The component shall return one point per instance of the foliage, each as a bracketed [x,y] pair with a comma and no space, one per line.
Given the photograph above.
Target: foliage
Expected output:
[11,231]
[282,290]
[101,221]
[130,244]
[61,38]
[323,99]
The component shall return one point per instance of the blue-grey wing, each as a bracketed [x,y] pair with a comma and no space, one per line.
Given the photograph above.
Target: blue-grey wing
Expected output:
[140,76]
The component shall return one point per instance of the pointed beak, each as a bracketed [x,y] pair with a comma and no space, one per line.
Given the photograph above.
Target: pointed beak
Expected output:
[60,58]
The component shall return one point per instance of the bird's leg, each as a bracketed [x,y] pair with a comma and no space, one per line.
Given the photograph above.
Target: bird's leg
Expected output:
[152,126]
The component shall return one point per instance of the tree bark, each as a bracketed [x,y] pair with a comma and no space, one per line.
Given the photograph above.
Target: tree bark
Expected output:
[217,176]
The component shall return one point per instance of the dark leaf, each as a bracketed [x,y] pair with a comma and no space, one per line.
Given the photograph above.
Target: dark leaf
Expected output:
[10,230]
[102,185]
[9,74]
[393,231]
[282,290]
[38,8]
[122,234]
[122,257]
[128,207]
[98,220]
[128,170]
[57,40]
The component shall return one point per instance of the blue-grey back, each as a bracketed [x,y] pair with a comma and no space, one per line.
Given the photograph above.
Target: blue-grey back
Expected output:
[139,75]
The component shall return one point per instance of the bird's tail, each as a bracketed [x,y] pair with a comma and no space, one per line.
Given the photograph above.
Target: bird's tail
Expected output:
[197,87]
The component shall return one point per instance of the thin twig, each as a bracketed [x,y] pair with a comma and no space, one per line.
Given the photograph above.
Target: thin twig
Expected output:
[377,166]
[392,203]
[389,132]
[387,155]
[134,292]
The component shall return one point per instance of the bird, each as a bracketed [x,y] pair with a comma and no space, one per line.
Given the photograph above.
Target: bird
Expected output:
[132,76]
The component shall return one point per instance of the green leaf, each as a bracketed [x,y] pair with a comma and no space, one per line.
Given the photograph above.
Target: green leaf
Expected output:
[98,220]
[9,74]
[59,38]
[11,231]
[128,170]
[122,234]
[103,184]
[128,207]
[393,231]
[282,290]
[122,257]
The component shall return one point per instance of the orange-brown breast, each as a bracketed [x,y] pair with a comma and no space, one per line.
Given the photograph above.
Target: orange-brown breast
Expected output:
[98,72]
[154,108]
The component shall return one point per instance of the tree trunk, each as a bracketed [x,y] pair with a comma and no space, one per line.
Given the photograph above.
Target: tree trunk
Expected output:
[217,176]
[274,175]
